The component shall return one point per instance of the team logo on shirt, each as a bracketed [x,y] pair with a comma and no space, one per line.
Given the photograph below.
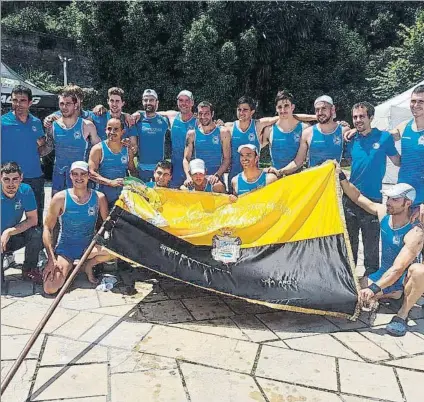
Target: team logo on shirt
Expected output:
[77,135]
[124,159]
[18,205]
[296,137]
[421,140]
[91,211]
[396,240]
[215,140]
[160,121]
[190,128]
[376,145]
[337,140]
[34,128]
[251,137]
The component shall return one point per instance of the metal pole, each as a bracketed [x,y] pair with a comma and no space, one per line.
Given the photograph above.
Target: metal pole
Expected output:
[65,71]
[49,312]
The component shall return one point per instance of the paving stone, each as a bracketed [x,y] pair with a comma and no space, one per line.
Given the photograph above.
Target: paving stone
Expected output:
[114,298]
[346,324]
[416,313]
[231,354]
[154,294]
[383,317]
[30,316]
[413,362]
[18,389]
[167,311]
[20,288]
[117,311]
[280,392]
[293,325]
[88,399]
[322,344]
[350,398]
[240,306]
[81,299]
[361,345]
[411,384]
[70,382]
[6,301]
[417,327]
[253,328]
[7,330]
[277,344]
[396,346]
[100,328]
[226,386]
[150,386]
[12,346]
[206,308]
[298,367]
[61,351]
[122,361]
[76,327]
[179,290]
[368,380]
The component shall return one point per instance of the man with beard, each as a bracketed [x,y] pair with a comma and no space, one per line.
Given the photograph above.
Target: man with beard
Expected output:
[150,139]
[251,178]
[399,274]
[17,198]
[208,142]
[77,208]
[368,152]
[162,175]
[323,140]
[71,135]
[109,161]
[200,180]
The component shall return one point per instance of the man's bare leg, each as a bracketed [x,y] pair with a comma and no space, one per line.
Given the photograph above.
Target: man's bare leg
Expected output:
[97,256]
[414,287]
[53,280]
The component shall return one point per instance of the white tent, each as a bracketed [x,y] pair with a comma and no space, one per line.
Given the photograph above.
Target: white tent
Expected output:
[387,116]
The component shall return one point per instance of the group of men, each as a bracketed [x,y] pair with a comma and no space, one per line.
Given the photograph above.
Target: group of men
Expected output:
[95,150]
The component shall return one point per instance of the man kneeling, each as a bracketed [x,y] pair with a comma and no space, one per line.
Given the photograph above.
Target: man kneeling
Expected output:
[402,242]
[77,209]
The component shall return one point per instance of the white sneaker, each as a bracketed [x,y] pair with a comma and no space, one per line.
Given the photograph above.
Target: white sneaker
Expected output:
[8,260]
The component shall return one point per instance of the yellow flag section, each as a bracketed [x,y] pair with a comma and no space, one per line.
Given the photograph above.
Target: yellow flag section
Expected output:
[298,207]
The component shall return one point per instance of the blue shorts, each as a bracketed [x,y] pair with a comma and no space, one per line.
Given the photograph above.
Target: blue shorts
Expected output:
[72,252]
[61,179]
[398,285]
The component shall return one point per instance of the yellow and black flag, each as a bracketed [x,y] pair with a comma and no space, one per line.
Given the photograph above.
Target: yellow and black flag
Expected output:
[284,245]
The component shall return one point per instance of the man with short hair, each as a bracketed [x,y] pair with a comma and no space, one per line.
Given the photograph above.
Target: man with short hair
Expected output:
[251,178]
[399,274]
[17,198]
[200,180]
[71,135]
[109,161]
[162,175]
[324,140]
[77,208]
[208,142]
[22,141]
[368,152]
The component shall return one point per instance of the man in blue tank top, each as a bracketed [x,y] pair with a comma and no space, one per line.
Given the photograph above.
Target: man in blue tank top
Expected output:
[400,272]
[200,180]
[162,175]
[77,209]
[367,151]
[324,140]
[23,141]
[251,178]
[208,142]
[151,134]
[71,136]
[109,161]
[17,198]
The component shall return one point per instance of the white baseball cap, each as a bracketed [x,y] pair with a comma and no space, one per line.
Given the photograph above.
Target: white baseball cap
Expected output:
[324,98]
[79,165]
[185,93]
[150,92]
[401,190]
[197,166]
[250,146]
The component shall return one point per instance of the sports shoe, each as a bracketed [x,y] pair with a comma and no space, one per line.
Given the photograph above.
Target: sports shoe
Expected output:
[8,260]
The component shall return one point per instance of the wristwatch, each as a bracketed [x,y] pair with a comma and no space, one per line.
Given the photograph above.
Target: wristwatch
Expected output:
[374,288]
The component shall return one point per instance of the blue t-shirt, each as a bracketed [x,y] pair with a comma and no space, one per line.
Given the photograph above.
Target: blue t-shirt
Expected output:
[368,155]
[101,122]
[12,209]
[19,143]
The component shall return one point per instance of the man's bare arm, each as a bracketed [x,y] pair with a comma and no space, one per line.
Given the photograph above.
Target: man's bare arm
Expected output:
[218,187]
[264,136]
[397,132]
[90,132]
[305,117]
[55,208]
[226,151]
[188,152]
[265,122]
[103,208]
[94,164]
[270,178]
[301,154]
[396,160]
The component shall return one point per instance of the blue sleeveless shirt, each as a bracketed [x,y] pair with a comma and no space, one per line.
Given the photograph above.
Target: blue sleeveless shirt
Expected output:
[77,224]
[112,166]
[208,188]
[283,145]
[70,145]
[101,123]
[325,146]
[412,164]
[208,147]
[244,186]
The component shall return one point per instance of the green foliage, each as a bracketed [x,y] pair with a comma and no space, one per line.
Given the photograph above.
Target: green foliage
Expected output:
[41,79]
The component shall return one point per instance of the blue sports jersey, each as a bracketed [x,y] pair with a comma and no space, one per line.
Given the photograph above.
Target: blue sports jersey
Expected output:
[239,137]
[208,188]
[19,143]
[101,122]
[369,154]
[244,186]
[412,165]
[77,224]
[12,209]
[179,131]
[283,146]
[208,147]
[112,166]
[325,146]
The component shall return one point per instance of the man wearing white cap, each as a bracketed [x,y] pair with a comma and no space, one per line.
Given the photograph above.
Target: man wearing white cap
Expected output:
[77,210]
[400,272]
[150,140]
[200,180]
[323,140]
[251,178]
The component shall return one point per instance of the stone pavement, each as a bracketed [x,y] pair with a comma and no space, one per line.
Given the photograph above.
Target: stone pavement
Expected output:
[174,342]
